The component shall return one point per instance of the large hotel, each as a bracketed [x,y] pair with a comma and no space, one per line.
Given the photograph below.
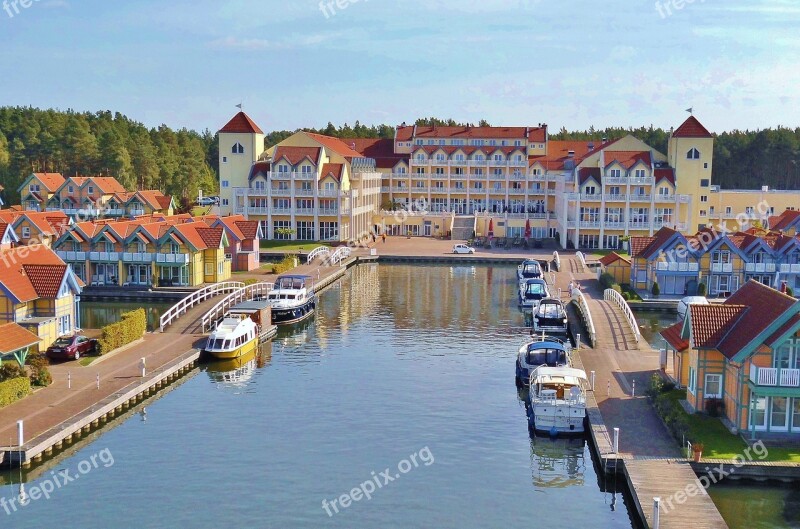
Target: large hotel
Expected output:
[460,182]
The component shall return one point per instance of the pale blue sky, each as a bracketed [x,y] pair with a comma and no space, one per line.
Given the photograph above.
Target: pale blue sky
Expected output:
[515,62]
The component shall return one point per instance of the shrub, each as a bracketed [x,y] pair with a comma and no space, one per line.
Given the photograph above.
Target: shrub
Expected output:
[285,265]
[656,290]
[655,387]
[606,280]
[130,327]
[789,290]
[14,389]
[40,374]
[626,296]
[11,370]
[701,289]
[616,288]
[250,281]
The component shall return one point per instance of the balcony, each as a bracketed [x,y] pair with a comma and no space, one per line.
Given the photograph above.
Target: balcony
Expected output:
[71,256]
[277,210]
[664,266]
[331,212]
[403,190]
[760,267]
[275,193]
[640,198]
[303,211]
[329,193]
[384,189]
[721,268]
[304,176]
[115,212]
[773,376]
[438,189]
[478,163]
[614,225]
[790,269]
[665,198]
[615,197]
[137,212]
[104,257]
[138,257]
[590,224]
[258,210]
[172,258]
[639,225]
[304,192]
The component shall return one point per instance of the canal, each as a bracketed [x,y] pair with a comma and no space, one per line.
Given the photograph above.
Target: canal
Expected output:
[403,369]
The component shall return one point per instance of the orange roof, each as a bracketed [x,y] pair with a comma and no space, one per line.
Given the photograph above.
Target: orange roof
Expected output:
[627,159]
[249,228]
[336,145]
[46,279]
[15,338]
[241,124]
[691,128]
[639,244]
[613,257]
[784,220]
[152,197]
[50,181]
[108,184]
[47,222]
[14,276]
[212,237]
[295,155]
[672,335]
[710,324]
[532,134]
[334,170]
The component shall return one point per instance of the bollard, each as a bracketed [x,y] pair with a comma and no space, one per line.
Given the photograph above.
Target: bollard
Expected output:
[616,440]
[69,379]
[98,380]
[633,389]
[608,389]
[143,366]
[20,433]
[559,293]
[656,504]
[592,380]
[578,341]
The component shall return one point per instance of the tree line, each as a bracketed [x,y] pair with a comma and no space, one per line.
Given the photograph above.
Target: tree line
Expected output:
[180,162]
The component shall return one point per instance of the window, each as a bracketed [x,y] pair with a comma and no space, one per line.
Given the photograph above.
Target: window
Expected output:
[703,213]
[590,190]
[328,231]
[704,182]
[440,157]
[330,186]
[693,154]
[640,173]
[728,210]
[306,169]
[703,198]
[713,387]
[615,173]
[613,190]
[225,183]
[283,168]
[459,171]
[692,387]
[91,190]
[237,148]
[26,232]
[759,413]
[224,201]
[174,248]
[280,231]
[209,269]
[305,230]
[224,159]
[478,185]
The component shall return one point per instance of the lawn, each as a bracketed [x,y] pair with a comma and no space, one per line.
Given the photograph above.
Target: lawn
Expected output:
[199,211]
[86,361]
[602,253]
[291,246]
[720,443]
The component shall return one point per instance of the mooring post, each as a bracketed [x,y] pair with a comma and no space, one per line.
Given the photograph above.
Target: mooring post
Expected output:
[143,366]
[69,379]
[656,504]
[20,433]
[592,380]
[578,342]
[633,389]
[616,440]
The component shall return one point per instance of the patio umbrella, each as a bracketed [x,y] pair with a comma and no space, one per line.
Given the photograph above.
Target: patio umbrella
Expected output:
[491,228]
[528,229]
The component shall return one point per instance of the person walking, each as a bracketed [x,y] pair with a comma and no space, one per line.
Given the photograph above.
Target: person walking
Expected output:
[383,236]
[373,238]
[570,289]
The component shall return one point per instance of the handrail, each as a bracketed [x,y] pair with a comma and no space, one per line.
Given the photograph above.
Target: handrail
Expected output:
[339,255]
[583,309]
[320,250]
[557,261]
[581,260]
[248,292]
[196,297]
[616,297]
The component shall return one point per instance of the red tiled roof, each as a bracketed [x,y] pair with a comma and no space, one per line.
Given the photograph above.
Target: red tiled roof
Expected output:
[639,244]
[15,338]
[613,257]
[241,124]
[375,147]
[46,279]
[50,181]
[295,155]
[249,228]
[342,147]
[627,159]
[710,324]
[665,173]
[14,277]
[784,220]
[672,335]
[586,173]
[332,169]
[212,237]
[107,184]
[534,134]
[659,240]
[164,201]
[691,128]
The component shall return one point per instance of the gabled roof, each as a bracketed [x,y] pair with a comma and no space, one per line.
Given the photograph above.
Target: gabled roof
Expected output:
[15,338]
[241,124]
[691,128]
[48,223]
[640,244]
[30,270]
[50,181]
[295,155]
[613,257]
[627,159]
[648,247]
[532,134]
[335,144]
[710,324]
[334,170]
[107,184]
[672,335]
[46,279]
[664,173]
[785,220]
[588,173]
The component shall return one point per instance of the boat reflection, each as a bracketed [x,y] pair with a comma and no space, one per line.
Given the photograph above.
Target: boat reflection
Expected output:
[558,463]
[237,372]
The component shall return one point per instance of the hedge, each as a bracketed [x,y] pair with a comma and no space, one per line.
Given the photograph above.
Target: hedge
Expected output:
[131,326]
[13,390]
[285,265]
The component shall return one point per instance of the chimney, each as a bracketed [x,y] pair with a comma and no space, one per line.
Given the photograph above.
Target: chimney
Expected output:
[784,287]
[605,139]
[571,154]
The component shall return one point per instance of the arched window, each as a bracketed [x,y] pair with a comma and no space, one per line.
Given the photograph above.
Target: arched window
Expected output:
[237,148]
[693,154]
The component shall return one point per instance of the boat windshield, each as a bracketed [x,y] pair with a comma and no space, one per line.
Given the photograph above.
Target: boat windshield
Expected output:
[550,310]
[534,290]
[552,357]
[531,269]
[289,283]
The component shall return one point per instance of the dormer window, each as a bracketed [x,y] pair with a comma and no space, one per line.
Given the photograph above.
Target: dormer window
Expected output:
[70,189]
[174,248]
[237,148]
[91,190]
[693,154]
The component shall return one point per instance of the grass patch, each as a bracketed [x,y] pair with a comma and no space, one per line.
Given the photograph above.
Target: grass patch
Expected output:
[291,246]
[632,294]
[86,361]
[602,253]
[199,211]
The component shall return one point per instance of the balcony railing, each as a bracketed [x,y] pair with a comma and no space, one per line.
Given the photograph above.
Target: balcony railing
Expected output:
[101,257]
[115,212]
[137,212]
[677,267]
[275,192]
[258,210]
[773,376]
[329,211]
[615,197]
[304,192]
[640,198]
[138,257]
[721,268]
[172,258]
[760,267]
[72,256]
[665,198]
[790,268]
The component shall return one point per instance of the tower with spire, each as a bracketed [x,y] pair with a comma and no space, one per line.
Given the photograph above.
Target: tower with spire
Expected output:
[241,142]
[691,154]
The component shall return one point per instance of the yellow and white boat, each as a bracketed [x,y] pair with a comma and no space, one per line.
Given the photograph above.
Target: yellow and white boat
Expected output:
[233,337]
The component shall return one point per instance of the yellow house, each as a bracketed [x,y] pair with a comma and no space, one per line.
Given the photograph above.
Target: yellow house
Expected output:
[34,227]
[39,292]
[618,266]
[38,188]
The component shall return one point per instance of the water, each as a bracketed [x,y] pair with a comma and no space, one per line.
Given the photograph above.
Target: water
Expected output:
[399,360]
[747,505]
[96,315]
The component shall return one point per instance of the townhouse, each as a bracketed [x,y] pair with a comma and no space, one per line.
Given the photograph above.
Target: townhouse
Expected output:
[39,292]
[741,358]
[139,203]
[722,261]
[38,189]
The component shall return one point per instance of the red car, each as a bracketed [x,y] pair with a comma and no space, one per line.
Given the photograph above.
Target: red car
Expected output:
[71,347]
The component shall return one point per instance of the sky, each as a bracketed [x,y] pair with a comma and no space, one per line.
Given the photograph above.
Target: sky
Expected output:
[302,63]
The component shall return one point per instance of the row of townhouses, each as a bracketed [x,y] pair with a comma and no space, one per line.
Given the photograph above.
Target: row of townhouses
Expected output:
[90,197]
[459,181]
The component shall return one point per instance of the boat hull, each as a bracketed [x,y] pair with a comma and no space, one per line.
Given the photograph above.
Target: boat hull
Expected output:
[287,316]
[557,420]
[242,350]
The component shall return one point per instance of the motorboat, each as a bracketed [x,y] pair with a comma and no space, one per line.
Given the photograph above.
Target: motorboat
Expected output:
[557,400]
[550,317]
[292,299]
[235,336]
[683,304]
[531,292]
[540,351]
[529,269]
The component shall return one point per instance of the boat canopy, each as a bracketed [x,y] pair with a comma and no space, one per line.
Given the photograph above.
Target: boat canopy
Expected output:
[569,375]
[293,282]
[545,353]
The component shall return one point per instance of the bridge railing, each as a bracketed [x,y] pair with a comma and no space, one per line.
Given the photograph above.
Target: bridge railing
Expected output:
[613,295]
[581,260]
[557,261]
[340,255]
[586,315]
[316,252]
[245,293]
[195,298]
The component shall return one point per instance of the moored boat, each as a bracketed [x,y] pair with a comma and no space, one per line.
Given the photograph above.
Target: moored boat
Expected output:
[540,351]
[550,317]
[529,269]
[292,299]
[235,336]
[531,292]
[557,400]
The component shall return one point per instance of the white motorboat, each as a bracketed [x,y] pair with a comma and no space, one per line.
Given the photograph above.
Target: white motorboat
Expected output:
[292,299]
[531,292]
[557,400]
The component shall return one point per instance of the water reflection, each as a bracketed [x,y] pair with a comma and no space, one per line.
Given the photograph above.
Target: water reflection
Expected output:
[557,463]
[237,372]
[96,315]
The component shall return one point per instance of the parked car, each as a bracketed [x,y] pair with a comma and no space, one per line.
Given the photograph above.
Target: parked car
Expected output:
[463,248]
[71,347]
[206,201]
